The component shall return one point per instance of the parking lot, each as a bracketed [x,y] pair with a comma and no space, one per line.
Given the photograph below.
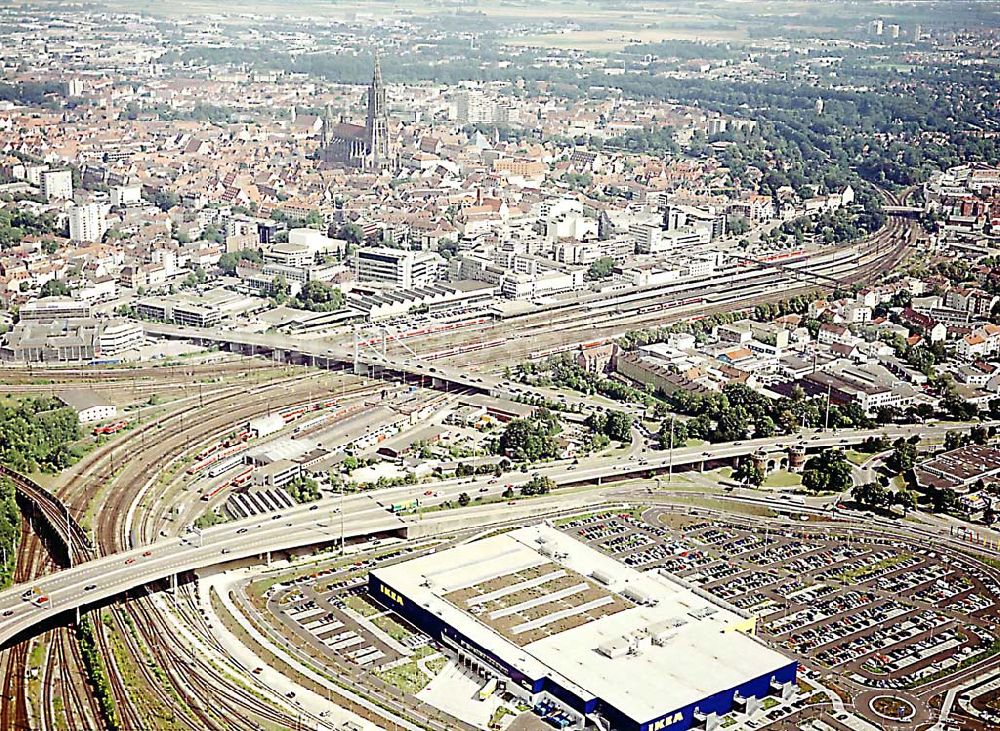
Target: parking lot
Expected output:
[872,610]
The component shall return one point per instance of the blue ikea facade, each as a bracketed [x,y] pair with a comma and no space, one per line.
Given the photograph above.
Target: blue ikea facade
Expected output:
[679,719]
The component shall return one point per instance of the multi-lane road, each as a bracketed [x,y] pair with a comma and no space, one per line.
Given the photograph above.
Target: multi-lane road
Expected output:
[364,514]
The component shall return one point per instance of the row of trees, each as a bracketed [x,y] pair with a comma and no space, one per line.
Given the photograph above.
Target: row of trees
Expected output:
[97,674]
[738,412]
[10,531]
[878,497]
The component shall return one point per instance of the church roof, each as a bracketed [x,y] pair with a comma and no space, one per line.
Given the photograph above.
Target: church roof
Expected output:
[345,130]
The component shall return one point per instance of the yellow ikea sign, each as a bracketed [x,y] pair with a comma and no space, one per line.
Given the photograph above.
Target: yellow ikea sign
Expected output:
[667,721]
[391,594]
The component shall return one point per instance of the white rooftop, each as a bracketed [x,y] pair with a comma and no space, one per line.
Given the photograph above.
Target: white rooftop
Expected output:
[685,645]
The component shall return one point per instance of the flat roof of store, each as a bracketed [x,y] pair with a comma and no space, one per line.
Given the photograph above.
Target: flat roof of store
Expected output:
[701,652]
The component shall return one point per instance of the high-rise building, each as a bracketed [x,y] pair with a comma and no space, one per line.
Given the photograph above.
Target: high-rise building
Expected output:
[365,147]
[875,27]
[57,185]
[86,222]
[472,107]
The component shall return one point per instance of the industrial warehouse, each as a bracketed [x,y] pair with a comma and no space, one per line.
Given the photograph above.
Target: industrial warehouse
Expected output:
[560,624]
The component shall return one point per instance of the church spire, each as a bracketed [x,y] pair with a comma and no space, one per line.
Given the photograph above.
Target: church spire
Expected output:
[377,121]
[377,74]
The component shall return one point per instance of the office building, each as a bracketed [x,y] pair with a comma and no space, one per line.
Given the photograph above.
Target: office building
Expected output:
[404,269]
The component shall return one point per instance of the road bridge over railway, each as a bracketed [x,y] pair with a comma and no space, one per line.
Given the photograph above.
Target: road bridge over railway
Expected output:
[335,520]
[367,361]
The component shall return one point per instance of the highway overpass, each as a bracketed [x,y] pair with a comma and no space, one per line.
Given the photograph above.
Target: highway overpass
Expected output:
[360,515]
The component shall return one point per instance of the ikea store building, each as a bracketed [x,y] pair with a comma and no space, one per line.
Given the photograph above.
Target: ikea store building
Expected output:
[552,618]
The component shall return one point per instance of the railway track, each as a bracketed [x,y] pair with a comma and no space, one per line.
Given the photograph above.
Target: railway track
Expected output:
[180,373]
[63,679]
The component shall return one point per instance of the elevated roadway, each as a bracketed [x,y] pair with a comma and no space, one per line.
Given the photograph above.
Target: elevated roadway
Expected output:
[70,535]
[338,519]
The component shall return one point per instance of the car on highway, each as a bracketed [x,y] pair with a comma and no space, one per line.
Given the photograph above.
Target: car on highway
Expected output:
[484,489]
[276,517]
[147,554]
[8,613]
[226,550]
[428,493]
[314,507]
[90,587]
[129,561]
[241,531]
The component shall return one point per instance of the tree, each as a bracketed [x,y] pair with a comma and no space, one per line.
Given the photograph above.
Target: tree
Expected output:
[601,269]
[749,472]
[464,499]
[319,296]
[165,199]
[942,499]
[281,289]
[906,500]
[680,433]
[54,288]
[828,471]
[229,260]
[954,440]
[903,457]
[871,494]
[539,485]
[618,426]
[528,440]
[352,233]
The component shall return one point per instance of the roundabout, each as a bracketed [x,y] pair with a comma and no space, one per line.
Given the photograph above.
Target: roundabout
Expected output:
[892,708]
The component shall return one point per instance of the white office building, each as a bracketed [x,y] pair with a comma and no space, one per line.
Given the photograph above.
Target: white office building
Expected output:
[404,269]
[57,185]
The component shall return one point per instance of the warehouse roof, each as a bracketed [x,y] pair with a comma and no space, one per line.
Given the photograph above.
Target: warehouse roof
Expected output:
[592,621]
